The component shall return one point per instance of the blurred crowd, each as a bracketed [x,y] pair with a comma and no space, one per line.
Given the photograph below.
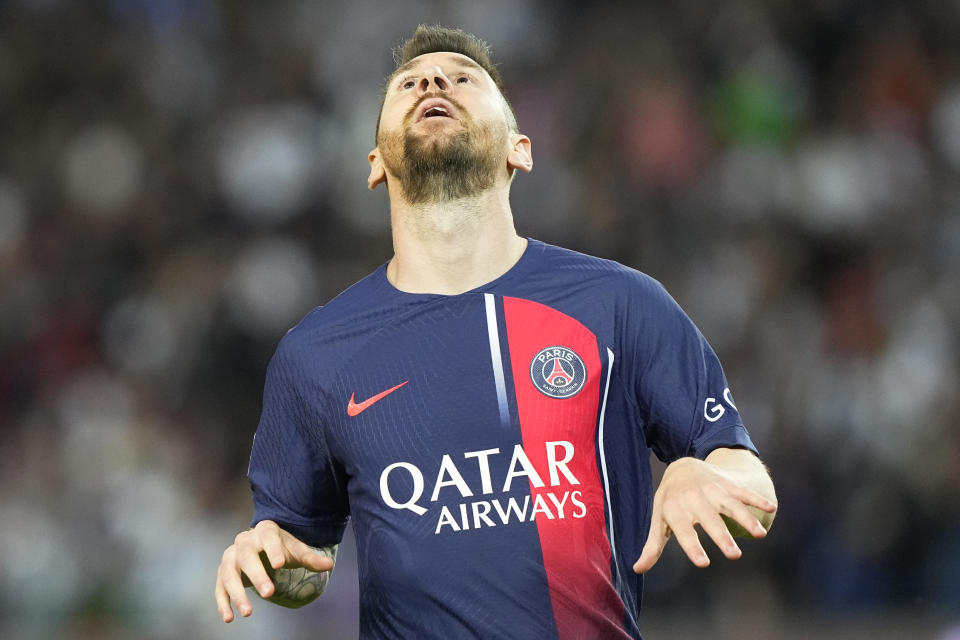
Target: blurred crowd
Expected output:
[181,180]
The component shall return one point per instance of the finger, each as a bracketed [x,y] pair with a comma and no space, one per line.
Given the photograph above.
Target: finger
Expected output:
[653,549]
[315,561]
[304,555]
[746,520]
[223,602]
[752,499]
[230,580]
[656,538]
[689,541]
[272,544]
[714,526]
[251,564]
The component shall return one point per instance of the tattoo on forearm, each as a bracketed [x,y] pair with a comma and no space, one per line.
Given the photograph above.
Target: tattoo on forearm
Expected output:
[297,587]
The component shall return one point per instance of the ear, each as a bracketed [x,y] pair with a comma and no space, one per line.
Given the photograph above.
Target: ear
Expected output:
[520,155]
[377,173]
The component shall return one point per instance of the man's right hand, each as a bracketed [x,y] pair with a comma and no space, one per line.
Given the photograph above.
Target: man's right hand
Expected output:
[244,564]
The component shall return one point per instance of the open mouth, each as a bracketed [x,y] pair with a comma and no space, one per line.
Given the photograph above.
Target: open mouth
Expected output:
[436,112]
[436,108]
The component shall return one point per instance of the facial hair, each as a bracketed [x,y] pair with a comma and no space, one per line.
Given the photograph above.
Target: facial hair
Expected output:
[444,166]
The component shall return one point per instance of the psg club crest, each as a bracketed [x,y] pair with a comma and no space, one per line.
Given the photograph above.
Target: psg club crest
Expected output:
[558,372]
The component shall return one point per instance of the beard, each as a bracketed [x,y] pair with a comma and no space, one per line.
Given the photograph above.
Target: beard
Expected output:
[445,166]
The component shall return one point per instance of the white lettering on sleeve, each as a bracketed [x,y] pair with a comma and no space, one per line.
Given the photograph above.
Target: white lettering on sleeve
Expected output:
[712,414]
[728,397]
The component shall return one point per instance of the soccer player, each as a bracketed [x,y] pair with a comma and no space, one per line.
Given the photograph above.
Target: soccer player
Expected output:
[483,406]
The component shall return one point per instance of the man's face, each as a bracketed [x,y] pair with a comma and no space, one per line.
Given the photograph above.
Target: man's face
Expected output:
[443,129]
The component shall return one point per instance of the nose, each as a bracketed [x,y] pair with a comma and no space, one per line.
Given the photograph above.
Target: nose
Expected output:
[435,78]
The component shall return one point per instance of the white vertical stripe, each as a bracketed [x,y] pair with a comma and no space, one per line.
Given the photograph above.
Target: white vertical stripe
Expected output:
[603,458]
[494,334]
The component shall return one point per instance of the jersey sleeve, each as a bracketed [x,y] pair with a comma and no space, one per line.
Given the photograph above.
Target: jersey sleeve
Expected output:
[296,482]
[679,385]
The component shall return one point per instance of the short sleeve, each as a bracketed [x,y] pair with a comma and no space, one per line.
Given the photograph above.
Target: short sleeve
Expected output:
[295,480]
[679,385]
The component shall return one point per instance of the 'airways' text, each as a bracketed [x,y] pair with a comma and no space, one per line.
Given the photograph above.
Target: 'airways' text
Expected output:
[479,513]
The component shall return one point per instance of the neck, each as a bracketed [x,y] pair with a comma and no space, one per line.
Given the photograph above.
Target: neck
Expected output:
[454,246]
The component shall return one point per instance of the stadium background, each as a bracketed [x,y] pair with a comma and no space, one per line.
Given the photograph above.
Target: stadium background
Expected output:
[181,180]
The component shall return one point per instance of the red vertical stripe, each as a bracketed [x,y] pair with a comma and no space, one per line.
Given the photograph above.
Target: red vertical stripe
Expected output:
[576,551]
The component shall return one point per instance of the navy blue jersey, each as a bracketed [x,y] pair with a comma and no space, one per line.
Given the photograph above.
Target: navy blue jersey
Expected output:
[490,447]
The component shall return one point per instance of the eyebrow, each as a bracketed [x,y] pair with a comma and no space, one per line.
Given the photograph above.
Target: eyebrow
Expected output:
[410,64]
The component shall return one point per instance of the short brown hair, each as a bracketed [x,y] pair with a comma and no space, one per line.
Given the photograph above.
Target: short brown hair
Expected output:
[434,38]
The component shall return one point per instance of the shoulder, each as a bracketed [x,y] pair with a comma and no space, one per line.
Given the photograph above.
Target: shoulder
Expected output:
[614,276]
[328,330]
[638,304]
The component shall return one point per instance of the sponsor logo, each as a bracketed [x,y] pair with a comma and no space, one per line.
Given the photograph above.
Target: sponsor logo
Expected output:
[558,372]
[713,410]
[355,408]
[496,508]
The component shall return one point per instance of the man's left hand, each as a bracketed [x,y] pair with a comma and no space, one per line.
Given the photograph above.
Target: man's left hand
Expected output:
[696,492]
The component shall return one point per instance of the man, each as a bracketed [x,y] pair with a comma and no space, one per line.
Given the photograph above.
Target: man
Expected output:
[484,405]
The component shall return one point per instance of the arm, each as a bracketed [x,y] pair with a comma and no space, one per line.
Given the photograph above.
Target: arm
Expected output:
[728,493]
[283,569]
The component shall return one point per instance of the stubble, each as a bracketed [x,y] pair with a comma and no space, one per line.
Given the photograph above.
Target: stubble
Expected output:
[445,166]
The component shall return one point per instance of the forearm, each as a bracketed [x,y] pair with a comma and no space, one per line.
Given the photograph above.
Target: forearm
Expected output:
[298,586]
[747,471]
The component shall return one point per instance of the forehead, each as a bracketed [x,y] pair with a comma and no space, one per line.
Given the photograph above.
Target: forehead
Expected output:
[446,60]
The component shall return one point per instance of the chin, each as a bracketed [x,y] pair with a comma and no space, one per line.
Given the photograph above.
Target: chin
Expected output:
[435,143]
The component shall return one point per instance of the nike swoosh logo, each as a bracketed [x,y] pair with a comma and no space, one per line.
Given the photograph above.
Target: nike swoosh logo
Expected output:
[354,408]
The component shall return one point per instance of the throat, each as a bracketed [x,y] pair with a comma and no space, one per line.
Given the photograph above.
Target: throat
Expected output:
[452,249]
